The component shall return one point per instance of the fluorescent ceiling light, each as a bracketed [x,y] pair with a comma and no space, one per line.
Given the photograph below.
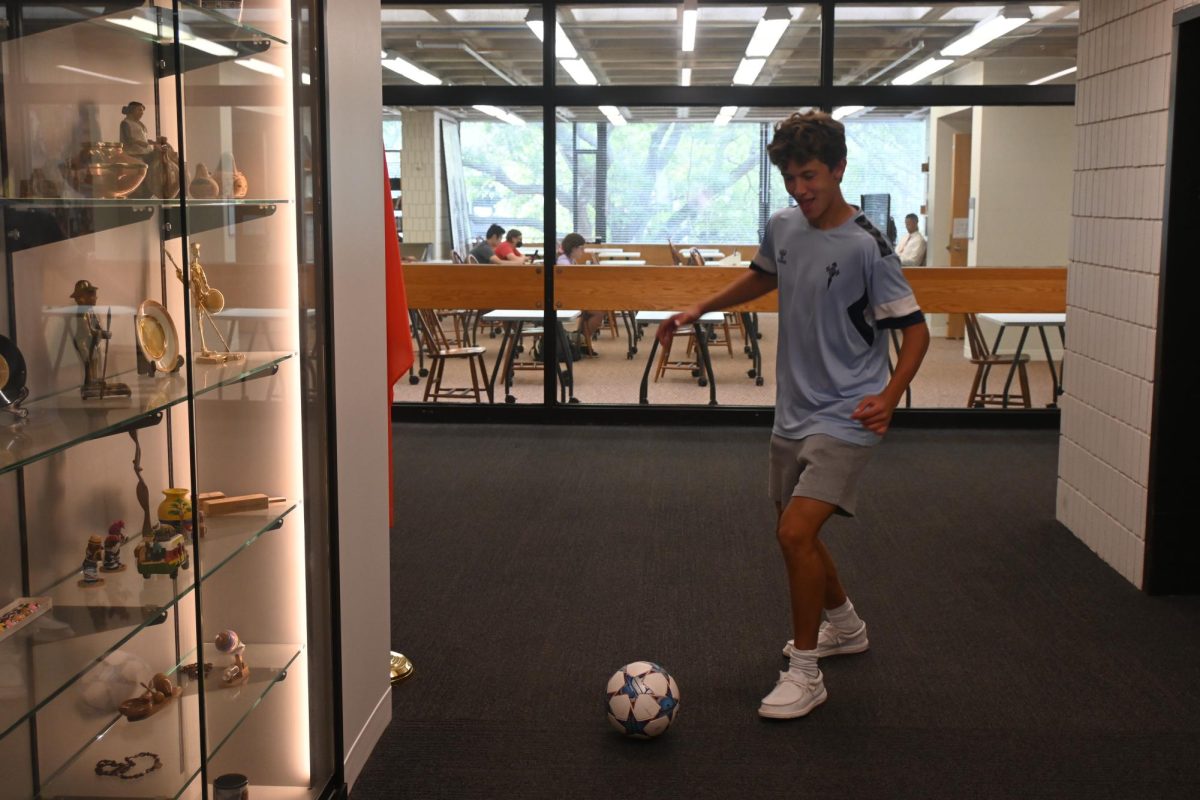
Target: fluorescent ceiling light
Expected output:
[261,66]
[724,115]
[562,45]
[921,71]
[96,74]
[668,14]
[983,33]
[1049,78]
[845,111]
[881,13]
[1043,11]
[614,116]
[405,15]
[579,71]
[747,14]
[747,71]
[690,15]
[205,46]
[411,71]
[685,76]
[486,14]
[501,114]
[768,32]
[970,13]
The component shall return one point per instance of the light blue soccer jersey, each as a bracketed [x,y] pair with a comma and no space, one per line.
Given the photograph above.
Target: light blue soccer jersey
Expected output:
[839,292]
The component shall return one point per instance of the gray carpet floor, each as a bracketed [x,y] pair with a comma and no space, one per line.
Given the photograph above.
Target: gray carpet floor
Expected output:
[1006,659]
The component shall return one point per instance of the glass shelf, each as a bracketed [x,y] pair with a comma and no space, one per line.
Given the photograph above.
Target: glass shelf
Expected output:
[39,17]
[59,421]
[35,221]
[225,709]
[87,623]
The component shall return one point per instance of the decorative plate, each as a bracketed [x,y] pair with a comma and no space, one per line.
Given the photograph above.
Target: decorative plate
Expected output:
[157,336]
[12,372]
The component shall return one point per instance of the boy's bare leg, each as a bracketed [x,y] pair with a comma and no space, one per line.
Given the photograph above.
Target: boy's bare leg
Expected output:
[808,565]
[835,593]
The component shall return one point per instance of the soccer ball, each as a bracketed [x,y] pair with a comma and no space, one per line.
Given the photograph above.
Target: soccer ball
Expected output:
[642,700]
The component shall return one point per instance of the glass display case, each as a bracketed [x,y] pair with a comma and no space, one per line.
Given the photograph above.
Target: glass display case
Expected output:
[166,595]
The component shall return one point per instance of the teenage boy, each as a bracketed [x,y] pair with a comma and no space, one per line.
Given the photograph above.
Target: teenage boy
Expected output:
[840,288]
[509,251]
[485,251]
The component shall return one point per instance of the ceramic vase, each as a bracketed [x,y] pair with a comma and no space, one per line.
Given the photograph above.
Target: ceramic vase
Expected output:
[105,170]
[163,176]
[175,509]
[203,187]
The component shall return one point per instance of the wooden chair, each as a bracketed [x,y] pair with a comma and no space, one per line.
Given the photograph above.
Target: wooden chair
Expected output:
[440,351]
[676,256]
[456,258]
[984,360]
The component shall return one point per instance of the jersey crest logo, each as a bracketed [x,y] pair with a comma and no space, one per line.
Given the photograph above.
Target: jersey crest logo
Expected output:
[782,257]
[832,271]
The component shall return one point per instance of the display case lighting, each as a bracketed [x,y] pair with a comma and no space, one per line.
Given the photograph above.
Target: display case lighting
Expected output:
[186,38]
[101,75]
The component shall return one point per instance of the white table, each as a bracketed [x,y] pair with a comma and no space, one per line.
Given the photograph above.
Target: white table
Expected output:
[614,253]
[708,252]
[514,319]
[629,262]
[1025,322]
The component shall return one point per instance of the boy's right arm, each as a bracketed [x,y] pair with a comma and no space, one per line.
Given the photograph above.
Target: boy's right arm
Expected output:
[751,285]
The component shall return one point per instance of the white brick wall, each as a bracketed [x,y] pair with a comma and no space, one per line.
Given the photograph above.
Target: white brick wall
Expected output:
[426,216]
[1121,104]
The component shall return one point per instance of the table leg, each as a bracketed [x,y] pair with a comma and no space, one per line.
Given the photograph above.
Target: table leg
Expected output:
[566,387]
[627,317]
[1012,370]
[643,391]
[751,324]
[1054,389]
[702,343]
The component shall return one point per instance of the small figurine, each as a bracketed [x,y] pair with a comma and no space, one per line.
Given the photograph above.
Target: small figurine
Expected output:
[135,139]
[112,547]
[87,337]
[158,693]
[208,301]
[91,562]
[238,673]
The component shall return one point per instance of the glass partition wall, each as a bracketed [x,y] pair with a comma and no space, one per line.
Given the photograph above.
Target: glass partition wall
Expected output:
[646,126]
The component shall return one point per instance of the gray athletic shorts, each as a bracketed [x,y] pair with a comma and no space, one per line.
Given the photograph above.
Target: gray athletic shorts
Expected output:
[817,466]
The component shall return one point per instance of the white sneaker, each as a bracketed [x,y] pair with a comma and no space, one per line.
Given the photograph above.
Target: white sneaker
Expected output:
[832,642]
[793,696]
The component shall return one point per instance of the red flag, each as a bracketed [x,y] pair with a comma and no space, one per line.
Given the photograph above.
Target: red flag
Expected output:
[399,336]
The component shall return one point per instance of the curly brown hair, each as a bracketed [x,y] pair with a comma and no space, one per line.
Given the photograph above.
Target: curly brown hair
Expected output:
[803,137]
[570,242]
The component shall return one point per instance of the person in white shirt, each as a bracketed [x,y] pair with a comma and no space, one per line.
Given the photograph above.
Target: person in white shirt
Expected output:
[912,246]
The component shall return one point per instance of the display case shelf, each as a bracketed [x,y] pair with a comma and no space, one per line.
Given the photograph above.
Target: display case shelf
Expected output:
[64,420]
[165,733]
[39,17]
[36,221]
[137,603]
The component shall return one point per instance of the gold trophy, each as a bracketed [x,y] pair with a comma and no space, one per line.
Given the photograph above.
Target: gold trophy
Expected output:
[208,301]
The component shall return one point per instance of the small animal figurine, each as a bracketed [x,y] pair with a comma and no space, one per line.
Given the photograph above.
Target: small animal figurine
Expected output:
[238,673]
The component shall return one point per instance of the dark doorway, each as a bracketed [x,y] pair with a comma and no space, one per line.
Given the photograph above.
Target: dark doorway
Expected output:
[1172,533]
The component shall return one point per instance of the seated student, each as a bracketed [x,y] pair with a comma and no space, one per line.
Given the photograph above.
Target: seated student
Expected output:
[590,321]
[485,251]
[912,247]
[507,251]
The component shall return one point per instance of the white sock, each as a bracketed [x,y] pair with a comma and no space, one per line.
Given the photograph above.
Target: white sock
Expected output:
[803,664]
[843,617]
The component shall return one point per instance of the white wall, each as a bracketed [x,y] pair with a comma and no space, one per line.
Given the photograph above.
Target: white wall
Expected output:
[1112,286]
[1021,180]
[362,395]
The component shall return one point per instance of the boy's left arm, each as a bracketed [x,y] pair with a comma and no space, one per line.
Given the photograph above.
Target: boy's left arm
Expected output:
[875,411]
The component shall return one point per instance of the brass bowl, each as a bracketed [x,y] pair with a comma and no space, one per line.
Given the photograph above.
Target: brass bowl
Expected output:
[116,179]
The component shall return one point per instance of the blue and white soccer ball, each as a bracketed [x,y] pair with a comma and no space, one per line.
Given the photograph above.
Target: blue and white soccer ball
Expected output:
[642,700]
